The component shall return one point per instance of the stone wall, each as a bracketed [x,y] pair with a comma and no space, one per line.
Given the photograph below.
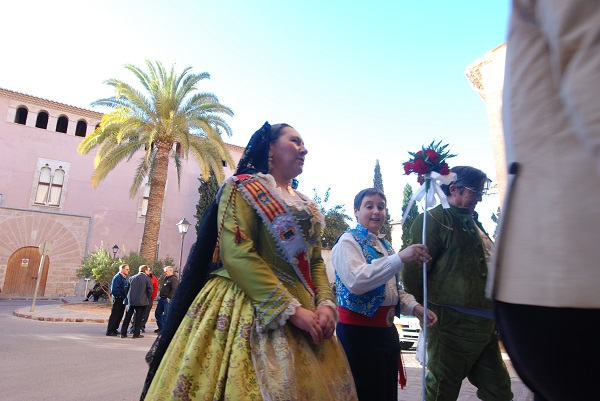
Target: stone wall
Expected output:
[67,233]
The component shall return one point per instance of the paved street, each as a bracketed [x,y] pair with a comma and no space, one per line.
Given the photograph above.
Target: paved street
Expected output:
[67,361]
[50,360]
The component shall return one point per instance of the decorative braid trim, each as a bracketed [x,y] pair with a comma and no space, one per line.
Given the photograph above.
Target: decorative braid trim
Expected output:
[282,318]
[229,202]
[266,318]
[263,303]
[239,235]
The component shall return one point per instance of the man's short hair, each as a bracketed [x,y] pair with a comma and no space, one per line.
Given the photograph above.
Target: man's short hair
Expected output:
[168,268]
[144,268]
[466,176]
[123,266]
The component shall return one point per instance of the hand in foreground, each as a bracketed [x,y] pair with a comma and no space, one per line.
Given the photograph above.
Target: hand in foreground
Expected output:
[431,316]
[415,253]
[308,321]
[326,320]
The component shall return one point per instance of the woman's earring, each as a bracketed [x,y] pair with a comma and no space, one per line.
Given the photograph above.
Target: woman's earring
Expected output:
[270,161]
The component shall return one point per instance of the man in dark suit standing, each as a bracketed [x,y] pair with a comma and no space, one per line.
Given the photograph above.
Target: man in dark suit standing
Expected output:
[139,295]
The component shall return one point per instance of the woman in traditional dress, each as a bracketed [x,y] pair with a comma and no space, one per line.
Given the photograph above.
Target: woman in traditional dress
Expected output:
[367,272]
[262,326]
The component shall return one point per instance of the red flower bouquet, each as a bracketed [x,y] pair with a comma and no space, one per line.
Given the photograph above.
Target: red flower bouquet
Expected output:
[429,159]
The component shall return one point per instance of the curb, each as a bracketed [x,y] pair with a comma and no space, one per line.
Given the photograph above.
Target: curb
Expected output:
[30,316]
[9,298]
[25,313]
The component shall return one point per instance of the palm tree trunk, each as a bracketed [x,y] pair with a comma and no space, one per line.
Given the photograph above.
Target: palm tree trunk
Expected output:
[155,202]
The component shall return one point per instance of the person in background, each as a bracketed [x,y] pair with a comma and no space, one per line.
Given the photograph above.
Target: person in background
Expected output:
[464,344]
[547,276]
[138,297]
[95,292]
[167,290]
[367,272]
[148,308]
[118,289]
[262,327]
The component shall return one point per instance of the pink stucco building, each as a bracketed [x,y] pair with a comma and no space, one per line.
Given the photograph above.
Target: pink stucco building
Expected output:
[46,196]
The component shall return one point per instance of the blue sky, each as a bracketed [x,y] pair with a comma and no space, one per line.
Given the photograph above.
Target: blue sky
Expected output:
[360,81]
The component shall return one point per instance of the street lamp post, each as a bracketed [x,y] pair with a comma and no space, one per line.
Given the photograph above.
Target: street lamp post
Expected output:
[115,249]
[183,227]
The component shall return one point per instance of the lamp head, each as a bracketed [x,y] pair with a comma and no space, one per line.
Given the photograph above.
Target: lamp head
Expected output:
[183,226]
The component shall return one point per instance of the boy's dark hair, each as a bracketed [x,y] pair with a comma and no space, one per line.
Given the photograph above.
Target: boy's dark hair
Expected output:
[367,192]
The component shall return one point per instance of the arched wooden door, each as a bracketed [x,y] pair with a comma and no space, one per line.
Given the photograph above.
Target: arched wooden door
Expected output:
[22,272]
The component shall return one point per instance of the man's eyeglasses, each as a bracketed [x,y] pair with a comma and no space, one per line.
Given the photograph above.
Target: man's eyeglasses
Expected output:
[477,193]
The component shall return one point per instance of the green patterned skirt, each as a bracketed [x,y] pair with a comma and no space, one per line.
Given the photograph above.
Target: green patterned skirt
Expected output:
[217,354]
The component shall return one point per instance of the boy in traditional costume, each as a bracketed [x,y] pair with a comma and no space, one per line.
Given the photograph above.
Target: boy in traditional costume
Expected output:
[367,274]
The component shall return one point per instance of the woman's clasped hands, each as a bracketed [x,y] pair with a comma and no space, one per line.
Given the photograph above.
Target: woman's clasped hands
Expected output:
[319,324]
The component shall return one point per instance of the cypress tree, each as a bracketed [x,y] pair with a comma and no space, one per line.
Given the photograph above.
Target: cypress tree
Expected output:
[208,190]
[378,184]
[412,215]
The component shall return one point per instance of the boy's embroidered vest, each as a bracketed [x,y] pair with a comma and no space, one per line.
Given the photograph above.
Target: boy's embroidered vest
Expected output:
[367,303]
[280,223]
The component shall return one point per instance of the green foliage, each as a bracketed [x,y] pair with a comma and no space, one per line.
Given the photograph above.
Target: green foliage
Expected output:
[496,216]
[378,184]
[412,215]
[496,219]
[377,179]
[159,265]
[336,220]
[208,190]
[440,149]
[135,260]
[169,111]
[100,267]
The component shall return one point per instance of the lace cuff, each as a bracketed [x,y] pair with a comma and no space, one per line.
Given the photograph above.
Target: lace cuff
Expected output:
[283,317]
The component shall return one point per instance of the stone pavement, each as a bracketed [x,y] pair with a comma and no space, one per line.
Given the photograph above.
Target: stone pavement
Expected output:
[74,310]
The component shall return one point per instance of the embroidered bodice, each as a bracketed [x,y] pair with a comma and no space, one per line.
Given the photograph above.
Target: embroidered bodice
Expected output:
[304,209]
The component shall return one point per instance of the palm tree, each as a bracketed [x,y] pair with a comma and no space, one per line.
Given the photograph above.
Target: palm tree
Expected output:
[169,119]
